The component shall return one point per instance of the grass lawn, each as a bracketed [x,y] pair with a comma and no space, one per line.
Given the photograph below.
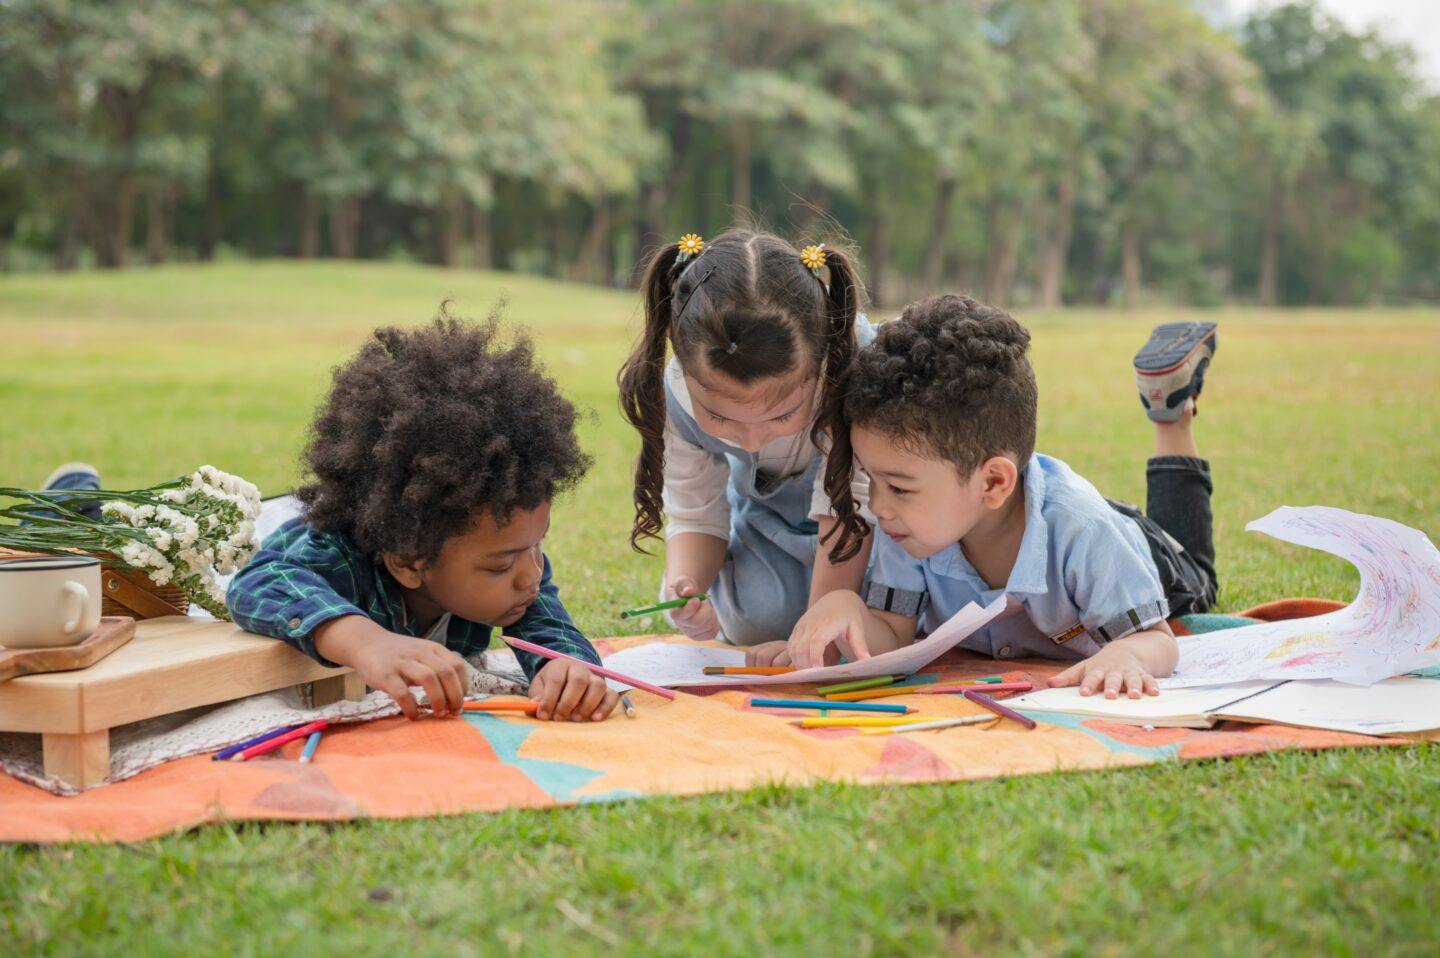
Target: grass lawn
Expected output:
[150,373]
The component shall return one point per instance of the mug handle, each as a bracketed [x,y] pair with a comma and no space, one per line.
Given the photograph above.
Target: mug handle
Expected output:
[82,601]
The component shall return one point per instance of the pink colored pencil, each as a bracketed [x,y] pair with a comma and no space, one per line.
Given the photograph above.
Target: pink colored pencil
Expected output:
[597,669]
[985,701]
[271,745]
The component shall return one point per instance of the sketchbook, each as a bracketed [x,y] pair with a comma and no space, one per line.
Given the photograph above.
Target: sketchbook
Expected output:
[1394,706]
[672,664]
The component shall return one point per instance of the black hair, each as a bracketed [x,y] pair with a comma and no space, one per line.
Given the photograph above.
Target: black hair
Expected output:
[426,426]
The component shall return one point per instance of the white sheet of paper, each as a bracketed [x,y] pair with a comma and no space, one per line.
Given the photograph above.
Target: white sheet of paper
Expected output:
[1185,707]
[1393,626]
[1396,705]
[670,664]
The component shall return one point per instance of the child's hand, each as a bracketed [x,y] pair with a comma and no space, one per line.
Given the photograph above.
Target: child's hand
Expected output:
[392,663]
[1114,668]
[695,618]
[768,653]
[834,625]
[568,690]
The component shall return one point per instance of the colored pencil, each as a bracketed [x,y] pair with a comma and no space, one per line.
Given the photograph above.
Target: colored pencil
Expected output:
[864,695]
[986,701]
[661,606]
[627,705]
[937,724]
[271,745]
[501,705]
[855,686]
[748,669]
[858,721]
[827,704]
[236,749]
[311,744]
[597,669]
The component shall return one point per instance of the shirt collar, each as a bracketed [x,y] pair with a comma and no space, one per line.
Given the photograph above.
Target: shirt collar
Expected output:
[1032,562]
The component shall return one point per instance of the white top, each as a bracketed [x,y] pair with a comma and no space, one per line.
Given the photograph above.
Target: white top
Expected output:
[696,479]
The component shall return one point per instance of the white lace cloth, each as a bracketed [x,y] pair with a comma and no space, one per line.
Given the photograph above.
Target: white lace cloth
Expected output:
[142,745]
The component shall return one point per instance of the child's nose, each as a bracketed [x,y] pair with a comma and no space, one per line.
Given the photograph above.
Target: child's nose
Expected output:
[530,572]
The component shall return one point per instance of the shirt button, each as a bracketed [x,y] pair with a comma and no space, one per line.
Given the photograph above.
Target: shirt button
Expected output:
[1004,652]
[294,623]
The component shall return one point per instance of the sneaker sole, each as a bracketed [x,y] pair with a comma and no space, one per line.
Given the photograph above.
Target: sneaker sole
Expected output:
[1164,353]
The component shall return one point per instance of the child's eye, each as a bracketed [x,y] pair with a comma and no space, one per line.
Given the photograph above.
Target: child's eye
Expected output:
[785,418]
[718,418]
[500,571]
[900,492]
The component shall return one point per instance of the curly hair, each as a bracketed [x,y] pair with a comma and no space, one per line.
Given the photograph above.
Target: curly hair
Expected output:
[949,379]
[426,426]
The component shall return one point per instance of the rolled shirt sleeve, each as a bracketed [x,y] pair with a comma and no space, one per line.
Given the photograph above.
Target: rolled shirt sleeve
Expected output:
[1112,581]
[897,579]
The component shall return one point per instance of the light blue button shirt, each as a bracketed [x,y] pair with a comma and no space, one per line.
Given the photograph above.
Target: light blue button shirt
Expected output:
[1084,575]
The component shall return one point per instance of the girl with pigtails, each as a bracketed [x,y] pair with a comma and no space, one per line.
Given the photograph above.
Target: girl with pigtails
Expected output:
[744,337]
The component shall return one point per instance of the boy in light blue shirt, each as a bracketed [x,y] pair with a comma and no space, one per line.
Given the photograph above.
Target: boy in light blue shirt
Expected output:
[940,412]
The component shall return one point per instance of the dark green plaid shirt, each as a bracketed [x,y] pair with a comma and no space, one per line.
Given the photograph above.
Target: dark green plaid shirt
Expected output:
[302,579]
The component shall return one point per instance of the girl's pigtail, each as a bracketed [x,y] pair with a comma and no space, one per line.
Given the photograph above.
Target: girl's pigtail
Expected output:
[642,394]
[841,305]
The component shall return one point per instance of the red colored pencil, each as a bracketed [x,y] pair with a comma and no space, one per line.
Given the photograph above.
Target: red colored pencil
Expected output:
[597,669]
[985,701]
[486,705]
[274,743]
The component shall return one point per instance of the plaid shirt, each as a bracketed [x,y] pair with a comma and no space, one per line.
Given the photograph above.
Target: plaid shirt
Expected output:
[302,579]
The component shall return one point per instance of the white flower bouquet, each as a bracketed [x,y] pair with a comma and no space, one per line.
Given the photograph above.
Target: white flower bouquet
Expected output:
[183,532]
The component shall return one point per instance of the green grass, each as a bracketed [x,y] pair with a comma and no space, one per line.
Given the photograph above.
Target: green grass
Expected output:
[149,373]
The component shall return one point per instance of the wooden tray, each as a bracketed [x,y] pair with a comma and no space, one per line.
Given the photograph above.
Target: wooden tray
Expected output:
[112,632]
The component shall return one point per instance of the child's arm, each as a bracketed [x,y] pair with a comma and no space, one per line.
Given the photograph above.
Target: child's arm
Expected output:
[692,564]
[309,590]
[831,576]
[565,690]
[841,624]
[1129,665]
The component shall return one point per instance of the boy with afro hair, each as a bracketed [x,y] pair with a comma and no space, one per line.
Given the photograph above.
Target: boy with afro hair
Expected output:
[433,463]
[941,413]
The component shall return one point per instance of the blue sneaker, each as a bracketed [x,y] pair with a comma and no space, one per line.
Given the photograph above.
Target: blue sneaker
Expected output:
[80,476]
[1170,367]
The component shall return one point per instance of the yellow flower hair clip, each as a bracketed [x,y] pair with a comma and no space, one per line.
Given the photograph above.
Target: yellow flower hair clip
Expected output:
[814,258]
[690,245]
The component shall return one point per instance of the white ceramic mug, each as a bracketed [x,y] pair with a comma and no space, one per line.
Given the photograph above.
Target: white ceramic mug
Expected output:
[48,601]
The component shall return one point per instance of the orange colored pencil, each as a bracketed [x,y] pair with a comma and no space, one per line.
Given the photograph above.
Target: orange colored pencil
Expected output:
[502,705]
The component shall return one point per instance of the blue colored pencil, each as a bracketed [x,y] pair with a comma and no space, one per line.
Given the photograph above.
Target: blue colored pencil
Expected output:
[823,704]
[225,753]
[311,744]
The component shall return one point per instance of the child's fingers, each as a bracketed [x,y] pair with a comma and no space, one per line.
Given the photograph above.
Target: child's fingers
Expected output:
[452,683]
[1070,676]
[1134,684]
[1152,687]
[418,673]
[544,691]
[607,705]
[1092,681]
[1113,681]
[595,690]
[398,691]
[571,692]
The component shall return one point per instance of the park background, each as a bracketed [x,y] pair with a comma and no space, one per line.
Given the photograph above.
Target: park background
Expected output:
[276,179]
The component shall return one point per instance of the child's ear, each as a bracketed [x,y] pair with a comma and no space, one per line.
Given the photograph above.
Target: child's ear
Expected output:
[999,476]
[407,572]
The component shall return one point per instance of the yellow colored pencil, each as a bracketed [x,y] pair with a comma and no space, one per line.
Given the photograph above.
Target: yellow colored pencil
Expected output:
[861,721]
[934,725]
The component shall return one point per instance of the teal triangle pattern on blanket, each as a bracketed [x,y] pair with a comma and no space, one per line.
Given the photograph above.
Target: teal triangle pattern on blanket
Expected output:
[1214,622]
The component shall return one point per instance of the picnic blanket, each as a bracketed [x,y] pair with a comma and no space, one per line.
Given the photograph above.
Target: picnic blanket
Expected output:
[705,742]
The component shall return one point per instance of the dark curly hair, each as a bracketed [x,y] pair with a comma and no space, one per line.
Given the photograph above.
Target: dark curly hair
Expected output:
[426,426]
[948,379]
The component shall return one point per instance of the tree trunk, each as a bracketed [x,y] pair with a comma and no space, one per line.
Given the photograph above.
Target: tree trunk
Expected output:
[740,156]
[452,228]
[344,227]
[879,253]
[156,207]
[1130,261]
[587,258]
[939,227]
[67,253]
[1002,252]
[1055,245]
[481,256]
[214,215]
[1270,256]
[119,223]
[309,223]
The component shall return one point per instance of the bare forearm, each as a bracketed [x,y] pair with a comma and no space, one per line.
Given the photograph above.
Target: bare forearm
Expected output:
[344,640]
[830,576]
[1155,648]
[696,556]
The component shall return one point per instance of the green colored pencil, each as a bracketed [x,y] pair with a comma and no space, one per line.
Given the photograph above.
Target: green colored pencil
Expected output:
[661,606]
[856,685]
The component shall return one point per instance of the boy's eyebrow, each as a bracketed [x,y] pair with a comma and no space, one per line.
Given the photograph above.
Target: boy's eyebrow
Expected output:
[515,552]
[890,474]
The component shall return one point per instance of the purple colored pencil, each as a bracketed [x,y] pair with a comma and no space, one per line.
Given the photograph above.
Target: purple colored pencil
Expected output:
[597,669]
[225,753]
[985,701]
